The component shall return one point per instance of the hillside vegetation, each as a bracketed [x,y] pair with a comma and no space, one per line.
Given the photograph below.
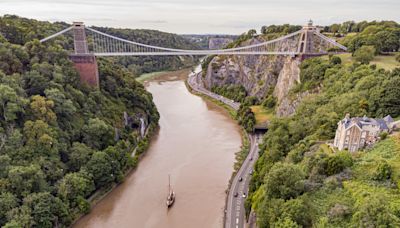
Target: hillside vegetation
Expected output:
[59,140]
[299,182]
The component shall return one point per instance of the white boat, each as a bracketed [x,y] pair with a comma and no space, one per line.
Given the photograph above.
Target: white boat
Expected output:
[171,194]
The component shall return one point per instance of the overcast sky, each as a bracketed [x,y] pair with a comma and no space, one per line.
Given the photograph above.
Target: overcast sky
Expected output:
[202,16]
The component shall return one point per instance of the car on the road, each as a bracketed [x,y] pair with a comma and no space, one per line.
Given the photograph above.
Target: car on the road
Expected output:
[240,179]
[244,195]
[251,172]
[251,158]
[236,194]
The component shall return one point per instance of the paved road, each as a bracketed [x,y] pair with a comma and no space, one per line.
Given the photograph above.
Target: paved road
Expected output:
[235,213]
[196,83]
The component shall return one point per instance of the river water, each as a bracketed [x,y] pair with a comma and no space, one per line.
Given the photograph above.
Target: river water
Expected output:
[196,144]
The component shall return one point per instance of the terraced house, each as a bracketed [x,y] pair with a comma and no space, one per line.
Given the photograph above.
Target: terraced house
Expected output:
[357,132]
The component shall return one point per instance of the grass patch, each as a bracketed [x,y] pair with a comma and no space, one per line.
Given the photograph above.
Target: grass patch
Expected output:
[387,62]
[262,114]
[324,147]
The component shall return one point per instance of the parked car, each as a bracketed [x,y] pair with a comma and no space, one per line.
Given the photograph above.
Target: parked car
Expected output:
[236,194]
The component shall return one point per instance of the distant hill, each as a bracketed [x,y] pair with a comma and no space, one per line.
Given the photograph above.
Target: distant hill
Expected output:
[204,40]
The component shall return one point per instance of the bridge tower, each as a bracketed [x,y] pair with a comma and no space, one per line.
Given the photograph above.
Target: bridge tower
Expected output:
[306,42]
[84,62]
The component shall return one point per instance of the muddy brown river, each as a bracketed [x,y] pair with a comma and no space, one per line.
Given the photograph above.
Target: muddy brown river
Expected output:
[196,144]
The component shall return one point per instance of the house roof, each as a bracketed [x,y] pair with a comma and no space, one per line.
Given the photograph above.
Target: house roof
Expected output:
[388,119]
[365,121]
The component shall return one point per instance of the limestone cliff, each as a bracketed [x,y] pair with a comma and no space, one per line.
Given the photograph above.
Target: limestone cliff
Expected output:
[258,74]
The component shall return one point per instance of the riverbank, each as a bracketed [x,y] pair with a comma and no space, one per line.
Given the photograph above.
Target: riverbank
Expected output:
[148,76]
[140,151]
[234,215]
[179,149]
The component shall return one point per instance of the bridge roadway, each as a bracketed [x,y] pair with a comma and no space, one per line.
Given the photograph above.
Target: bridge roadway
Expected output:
[234,212]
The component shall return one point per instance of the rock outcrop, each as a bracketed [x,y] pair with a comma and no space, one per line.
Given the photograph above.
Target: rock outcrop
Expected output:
[258,74]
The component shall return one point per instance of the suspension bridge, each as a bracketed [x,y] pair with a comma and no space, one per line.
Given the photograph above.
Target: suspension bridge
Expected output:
[90,43]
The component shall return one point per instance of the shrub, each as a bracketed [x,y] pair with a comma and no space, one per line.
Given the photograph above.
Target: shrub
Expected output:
[334,165]
[398,57]
[337,163]
[335,60]
[365,54]
[269,102]
[383,135]
[383,171]
[338,212]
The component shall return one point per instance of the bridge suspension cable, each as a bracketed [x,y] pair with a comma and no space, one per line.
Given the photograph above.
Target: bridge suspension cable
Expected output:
[56,34]
[103,44]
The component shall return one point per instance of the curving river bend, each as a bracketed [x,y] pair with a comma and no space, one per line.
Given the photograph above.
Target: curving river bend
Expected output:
[196,144]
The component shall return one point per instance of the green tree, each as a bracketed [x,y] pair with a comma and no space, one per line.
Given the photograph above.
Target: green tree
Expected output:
[98,134]
[284,181]
[42,109]
[374,212]
[281,213]
[26,179]
[20,217]
[80,154]
[47,210]
[10,103]
[40,138]
[62,106]
[73,186]
[7,202]
[365,54]
[100,168]
[388,103]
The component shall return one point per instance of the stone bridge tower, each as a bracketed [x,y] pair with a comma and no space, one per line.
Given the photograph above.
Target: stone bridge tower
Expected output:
[306,43]
[84,62]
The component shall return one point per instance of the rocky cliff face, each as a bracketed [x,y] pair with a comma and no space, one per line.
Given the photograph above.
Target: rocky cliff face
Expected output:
[258,74]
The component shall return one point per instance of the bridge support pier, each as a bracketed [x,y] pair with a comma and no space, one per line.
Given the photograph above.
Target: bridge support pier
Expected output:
[84,62]
[86,65]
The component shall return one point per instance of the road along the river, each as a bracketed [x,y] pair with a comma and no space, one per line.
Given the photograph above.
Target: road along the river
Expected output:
[235,213]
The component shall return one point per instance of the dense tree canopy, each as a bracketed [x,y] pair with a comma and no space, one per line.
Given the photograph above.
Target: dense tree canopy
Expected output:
[60,141]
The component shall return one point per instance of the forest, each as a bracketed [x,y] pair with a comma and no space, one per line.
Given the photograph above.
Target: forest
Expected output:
[61,141]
